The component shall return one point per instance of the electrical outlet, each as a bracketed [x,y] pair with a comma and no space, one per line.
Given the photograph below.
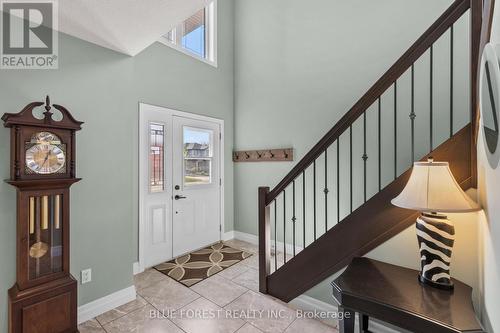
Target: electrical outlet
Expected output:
[86,275]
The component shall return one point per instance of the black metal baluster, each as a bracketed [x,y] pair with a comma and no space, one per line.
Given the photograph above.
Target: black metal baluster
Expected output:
[284,226]
[338,180]
[325,190]
[412,114]
[395,129]
[431,106]
[451,81]
[379,144]
[293,217]
[275,235]
[304,209]
[314,197]
[365,157]
[350,166]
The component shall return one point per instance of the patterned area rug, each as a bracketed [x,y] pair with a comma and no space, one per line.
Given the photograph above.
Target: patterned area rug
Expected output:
[196,266]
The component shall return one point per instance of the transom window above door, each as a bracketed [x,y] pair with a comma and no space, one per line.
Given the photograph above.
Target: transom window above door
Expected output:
[196,36]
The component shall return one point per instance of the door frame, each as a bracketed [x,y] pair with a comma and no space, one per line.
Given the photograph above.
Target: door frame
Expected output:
[141,165]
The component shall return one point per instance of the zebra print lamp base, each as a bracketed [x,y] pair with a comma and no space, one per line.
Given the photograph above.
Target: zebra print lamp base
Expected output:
[436,235]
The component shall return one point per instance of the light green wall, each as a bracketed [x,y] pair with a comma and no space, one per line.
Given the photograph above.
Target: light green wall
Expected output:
[103,89]
[303,66]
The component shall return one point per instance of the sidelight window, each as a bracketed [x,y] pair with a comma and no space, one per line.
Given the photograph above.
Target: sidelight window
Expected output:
[156,157]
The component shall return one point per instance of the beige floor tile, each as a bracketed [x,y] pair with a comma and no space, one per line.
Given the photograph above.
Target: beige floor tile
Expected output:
[168,295]
[249,279]
[120,311]
[148,278]
[144,320]
[219,290]
[203,316]
[252,262]
[90,326]
[302,325]
[251,329]
[268,315]
[233,271]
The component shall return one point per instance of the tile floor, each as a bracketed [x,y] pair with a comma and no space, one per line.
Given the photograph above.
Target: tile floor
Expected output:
[232,291]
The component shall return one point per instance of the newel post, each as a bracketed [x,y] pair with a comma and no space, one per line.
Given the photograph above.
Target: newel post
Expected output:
[264,240]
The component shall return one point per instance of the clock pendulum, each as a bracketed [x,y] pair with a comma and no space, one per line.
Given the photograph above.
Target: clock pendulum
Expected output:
[43,168]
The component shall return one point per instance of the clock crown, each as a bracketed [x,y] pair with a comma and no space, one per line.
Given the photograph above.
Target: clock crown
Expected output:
[25,117]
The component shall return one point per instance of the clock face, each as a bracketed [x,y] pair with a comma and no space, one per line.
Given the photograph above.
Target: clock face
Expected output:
[45,154]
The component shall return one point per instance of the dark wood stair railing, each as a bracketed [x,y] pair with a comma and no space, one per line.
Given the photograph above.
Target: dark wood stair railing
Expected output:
[375,221]
[372,224]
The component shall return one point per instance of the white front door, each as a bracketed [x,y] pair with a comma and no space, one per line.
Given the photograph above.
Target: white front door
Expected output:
[179,185]
[196,207]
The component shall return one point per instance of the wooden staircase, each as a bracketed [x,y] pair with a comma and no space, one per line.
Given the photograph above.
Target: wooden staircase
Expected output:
[375,220]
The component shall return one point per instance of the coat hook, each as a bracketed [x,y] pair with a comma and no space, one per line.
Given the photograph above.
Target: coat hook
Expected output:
[286,154]
[259,154]
[271,153]
[247,155]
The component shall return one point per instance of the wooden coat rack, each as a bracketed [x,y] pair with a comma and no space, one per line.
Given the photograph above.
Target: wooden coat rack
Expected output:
[264,155]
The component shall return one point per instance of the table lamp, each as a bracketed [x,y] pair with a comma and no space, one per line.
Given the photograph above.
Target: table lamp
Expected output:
[433,190]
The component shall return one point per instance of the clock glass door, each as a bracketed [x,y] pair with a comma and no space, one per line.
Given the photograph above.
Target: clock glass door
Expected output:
[45,230]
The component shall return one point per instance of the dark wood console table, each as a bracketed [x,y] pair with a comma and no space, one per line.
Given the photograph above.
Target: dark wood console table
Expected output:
[394,295]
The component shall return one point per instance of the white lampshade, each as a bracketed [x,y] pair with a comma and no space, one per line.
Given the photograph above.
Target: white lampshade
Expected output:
[432,188]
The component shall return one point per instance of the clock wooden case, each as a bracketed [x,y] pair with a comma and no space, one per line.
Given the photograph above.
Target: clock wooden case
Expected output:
[43,168]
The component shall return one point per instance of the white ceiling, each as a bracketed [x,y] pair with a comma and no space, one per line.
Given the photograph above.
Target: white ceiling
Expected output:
[126,26]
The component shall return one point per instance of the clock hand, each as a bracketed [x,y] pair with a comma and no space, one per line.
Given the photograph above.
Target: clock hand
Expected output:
[46,159]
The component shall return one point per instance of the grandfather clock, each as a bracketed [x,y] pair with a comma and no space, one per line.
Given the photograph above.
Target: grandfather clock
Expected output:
[44,298]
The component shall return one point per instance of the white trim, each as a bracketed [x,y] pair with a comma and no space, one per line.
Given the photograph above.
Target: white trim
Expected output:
[308,303]
[253,239]
[106,303]
[141,267]
[136,268]
[227,235]
[212,35]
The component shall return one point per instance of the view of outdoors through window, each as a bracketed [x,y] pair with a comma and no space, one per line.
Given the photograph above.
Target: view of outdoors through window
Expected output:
[197,156]
[196,34]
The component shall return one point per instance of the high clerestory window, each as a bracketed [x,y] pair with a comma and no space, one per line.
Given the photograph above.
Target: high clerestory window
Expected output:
[196,36]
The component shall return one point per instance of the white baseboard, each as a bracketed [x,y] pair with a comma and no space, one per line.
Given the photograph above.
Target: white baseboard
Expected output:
[136,268]
[308,303]
[252,239]
[228,235]
[106,303]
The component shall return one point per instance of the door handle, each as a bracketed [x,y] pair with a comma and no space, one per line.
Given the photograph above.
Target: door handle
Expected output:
[178,197]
